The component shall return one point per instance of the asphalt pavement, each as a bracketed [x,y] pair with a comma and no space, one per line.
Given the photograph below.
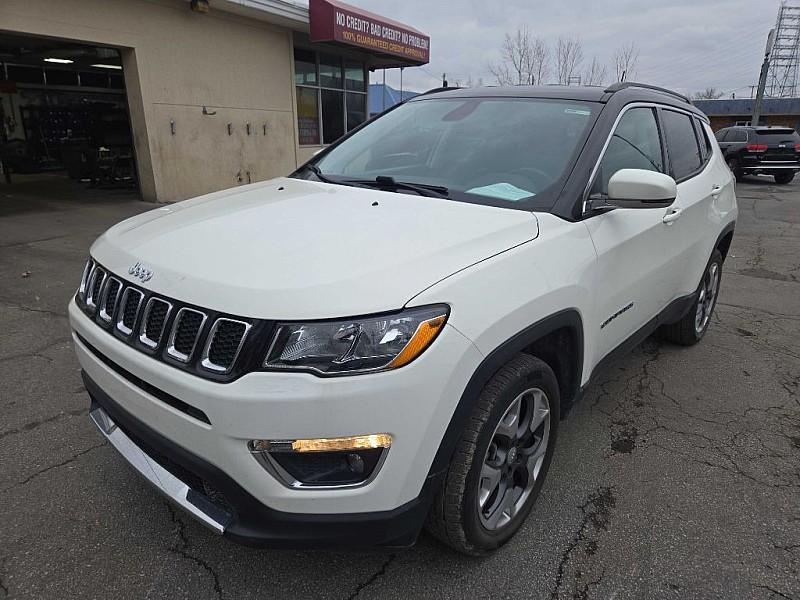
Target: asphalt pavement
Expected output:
[678,476]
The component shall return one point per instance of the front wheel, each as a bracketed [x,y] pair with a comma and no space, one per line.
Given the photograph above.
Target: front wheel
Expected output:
[693,326]
[784,178]
[501,460]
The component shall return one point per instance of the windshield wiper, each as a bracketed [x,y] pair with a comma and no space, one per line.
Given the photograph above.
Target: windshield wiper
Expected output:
[382,181]
[319,174]
[385,181]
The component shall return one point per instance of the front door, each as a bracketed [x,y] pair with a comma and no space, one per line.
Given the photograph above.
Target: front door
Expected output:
[638,249]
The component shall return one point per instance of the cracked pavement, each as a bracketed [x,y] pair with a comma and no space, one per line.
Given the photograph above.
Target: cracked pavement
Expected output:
[678,476]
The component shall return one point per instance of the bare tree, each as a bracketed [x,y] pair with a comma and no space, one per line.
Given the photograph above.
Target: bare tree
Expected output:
[626,59]
[595,74]
[569,57]
[523,59]
[540,62]
[710,93]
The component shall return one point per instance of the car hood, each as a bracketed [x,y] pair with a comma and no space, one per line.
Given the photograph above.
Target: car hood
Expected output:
[295,249]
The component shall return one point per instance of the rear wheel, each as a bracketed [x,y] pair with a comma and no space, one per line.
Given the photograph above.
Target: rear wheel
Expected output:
[733,165]
[784,178]
[501,460]
[693,326]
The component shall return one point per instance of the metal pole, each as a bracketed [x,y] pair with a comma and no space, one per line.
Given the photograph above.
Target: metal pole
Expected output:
[401,83]
[383,90]
[762,80]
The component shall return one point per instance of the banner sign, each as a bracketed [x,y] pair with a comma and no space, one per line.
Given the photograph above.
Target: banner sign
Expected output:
[334,21]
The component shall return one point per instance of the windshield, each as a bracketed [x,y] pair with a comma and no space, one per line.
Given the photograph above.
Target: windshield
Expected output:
[510,152]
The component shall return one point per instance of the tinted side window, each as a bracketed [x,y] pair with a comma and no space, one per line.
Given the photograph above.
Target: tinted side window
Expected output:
[738,135]
[720,135]
[684,152]
[635,144]
[702,138]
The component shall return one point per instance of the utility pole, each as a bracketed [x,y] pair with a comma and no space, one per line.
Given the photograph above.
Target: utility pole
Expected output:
[762,79]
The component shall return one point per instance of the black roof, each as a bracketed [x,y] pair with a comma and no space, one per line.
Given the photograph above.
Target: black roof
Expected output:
[627,92]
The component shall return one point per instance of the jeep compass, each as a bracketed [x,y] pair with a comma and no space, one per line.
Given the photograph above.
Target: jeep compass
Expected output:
[387,339]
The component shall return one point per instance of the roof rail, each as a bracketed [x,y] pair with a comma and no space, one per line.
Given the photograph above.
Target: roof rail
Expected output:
[439,89]
[621,85]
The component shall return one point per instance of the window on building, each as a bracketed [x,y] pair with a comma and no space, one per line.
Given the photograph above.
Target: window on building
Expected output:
[684,152]
[331,96]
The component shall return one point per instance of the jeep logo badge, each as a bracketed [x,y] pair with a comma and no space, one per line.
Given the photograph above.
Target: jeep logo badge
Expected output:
[140,272]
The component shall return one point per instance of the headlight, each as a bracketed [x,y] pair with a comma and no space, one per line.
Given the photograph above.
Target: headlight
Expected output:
[356,345]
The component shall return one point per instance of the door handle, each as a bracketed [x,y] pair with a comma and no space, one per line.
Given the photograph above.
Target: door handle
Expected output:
[716,190]
[673,214]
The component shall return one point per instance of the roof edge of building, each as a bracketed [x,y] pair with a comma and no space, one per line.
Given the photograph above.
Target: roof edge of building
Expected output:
[281,12]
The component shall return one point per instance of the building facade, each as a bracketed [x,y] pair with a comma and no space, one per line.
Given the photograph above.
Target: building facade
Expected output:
[783,112]
[219,92]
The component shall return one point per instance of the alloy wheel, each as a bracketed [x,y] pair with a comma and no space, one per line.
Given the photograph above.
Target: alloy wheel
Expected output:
[514,459]
[707,297]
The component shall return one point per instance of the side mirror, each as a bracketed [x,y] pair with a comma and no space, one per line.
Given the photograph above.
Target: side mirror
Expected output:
[640,188]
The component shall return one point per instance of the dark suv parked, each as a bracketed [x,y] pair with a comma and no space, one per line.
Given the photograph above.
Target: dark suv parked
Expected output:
[769,150]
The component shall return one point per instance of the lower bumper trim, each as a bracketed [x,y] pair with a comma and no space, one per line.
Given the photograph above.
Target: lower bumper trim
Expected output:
[165,482]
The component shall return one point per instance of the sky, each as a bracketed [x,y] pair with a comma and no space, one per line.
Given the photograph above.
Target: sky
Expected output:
[685,45]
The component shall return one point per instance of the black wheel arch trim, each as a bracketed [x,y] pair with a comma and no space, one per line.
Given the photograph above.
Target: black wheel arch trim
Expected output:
[728,229]
[568,318]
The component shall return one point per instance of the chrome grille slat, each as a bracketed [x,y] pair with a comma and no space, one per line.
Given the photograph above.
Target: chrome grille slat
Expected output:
[154,321]
[129,310]
[87,272]
[95,287]
[188,324]
[109,298]
[222,333]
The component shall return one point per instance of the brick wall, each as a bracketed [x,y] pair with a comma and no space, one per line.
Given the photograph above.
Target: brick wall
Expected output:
[720,122]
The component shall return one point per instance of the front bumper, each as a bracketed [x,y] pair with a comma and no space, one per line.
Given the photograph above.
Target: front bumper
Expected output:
[185,479]
[413,404]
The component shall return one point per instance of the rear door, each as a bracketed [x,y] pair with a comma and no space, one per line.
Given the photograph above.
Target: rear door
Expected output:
[701,181]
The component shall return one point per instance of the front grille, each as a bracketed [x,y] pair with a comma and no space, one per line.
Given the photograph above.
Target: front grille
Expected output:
[131,301]
[154,321]
[96,281]
[185,332]
[110,296]
[87,272]
[172,331]
[223,345]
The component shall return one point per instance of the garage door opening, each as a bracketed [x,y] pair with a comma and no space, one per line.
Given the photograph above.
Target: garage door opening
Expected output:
[65,132]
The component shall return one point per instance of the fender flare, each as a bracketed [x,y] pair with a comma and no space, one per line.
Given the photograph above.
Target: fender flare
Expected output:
[493,362]
[729,228]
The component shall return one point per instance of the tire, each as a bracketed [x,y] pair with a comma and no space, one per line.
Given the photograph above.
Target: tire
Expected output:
[457,517]
[692,327]
[733,165]
[784,178]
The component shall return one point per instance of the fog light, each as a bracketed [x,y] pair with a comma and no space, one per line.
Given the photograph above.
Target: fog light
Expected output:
[323,461]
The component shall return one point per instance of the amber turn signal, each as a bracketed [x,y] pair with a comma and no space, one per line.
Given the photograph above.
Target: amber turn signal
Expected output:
[422,338]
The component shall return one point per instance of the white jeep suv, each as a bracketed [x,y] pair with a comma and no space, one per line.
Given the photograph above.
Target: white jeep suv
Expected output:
[389,337]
